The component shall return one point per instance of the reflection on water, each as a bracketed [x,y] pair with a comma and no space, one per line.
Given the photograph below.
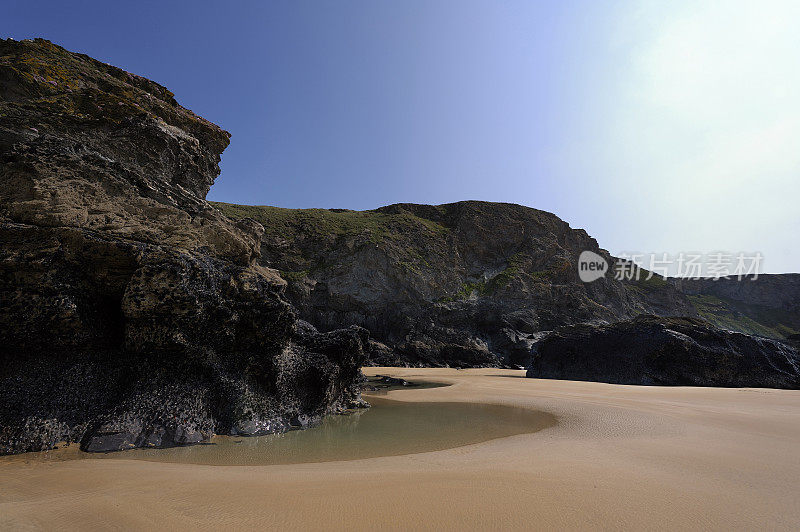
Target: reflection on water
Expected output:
[388,428]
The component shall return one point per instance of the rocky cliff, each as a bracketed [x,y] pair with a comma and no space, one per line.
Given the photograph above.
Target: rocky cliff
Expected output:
[665,351]
[477,283]
[464,284]
[132,313]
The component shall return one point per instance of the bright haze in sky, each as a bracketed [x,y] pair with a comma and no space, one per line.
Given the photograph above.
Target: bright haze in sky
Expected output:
[658,127]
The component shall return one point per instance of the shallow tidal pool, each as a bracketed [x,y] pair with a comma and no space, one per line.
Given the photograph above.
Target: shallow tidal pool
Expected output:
[388,428]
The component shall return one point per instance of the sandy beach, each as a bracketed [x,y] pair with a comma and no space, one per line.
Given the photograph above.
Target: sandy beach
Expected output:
[618,457]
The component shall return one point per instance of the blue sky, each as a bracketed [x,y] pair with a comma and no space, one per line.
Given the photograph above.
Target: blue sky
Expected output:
[657,127]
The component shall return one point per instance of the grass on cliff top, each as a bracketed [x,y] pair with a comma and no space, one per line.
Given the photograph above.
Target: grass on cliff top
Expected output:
[750,319]
[278,221]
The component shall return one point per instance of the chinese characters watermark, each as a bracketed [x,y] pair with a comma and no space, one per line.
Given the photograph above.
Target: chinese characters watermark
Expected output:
[644,266]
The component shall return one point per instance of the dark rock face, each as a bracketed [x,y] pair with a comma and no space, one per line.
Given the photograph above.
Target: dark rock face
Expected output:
[131,312]
[465,284]
[393,381]
[665,351]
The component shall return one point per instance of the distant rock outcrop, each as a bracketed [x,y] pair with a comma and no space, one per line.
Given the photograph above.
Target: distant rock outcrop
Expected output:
[665,351]
[132,313]
[767,304]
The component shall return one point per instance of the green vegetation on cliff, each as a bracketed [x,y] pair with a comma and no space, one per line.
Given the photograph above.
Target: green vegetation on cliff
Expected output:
[746,318]
[338,222]
[515,267]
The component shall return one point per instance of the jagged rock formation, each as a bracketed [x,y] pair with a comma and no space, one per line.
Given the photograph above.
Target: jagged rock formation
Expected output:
[665,351]
[767,305]
[464,284]
[132,313]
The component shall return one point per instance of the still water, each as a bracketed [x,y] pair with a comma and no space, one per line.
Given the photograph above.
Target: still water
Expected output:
[388,428]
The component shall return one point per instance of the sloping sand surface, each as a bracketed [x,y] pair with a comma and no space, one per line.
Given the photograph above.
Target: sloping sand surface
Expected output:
[630,457]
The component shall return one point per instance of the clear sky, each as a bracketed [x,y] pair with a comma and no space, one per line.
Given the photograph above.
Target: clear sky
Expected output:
[657,127]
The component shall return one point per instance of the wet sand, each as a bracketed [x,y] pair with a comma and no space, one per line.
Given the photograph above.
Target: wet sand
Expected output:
[618,456]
